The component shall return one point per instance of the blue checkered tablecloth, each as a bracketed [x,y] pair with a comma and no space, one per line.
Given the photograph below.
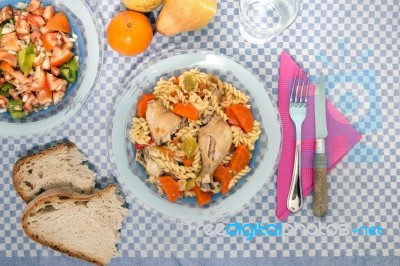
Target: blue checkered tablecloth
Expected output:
[356,43]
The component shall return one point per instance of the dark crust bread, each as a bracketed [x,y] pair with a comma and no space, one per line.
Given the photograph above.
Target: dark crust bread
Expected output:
[55,194]
[16,177]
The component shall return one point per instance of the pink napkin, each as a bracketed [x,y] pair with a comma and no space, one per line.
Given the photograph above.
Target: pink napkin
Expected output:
[341,137]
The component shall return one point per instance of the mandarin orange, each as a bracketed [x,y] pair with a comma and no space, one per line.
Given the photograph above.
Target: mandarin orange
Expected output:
[129,33]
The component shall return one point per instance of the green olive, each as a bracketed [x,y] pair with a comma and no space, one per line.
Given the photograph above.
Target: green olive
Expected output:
[189,147]
[190,183]
[189,82]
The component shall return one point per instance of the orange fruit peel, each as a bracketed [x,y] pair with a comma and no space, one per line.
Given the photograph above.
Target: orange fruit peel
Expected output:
[129,33]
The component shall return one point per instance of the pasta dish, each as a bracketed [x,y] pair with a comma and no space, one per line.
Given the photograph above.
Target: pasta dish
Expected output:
[194,135]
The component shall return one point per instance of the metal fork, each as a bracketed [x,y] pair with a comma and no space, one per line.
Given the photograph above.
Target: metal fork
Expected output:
[297,110]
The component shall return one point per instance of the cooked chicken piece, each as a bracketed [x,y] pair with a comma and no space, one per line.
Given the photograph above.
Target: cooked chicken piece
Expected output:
[143,156]
[215,140]
[162,123]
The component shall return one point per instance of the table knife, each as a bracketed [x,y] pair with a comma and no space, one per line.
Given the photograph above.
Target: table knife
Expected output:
[320,197]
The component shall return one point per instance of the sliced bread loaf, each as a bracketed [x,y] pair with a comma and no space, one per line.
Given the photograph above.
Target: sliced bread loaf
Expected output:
[82,226]
[59,166]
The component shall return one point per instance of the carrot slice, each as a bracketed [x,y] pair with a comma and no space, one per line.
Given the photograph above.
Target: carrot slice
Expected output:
[201,196]
[186,110]
[170,187]
[231,117]
[240,158]
[142,104]
[59,23]
[243,116]
[223,176]
[187,161]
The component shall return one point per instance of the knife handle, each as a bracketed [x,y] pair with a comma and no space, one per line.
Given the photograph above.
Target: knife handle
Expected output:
[320,198]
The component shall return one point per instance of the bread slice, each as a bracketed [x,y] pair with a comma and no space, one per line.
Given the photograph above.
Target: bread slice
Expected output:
[82,226]
[59,166]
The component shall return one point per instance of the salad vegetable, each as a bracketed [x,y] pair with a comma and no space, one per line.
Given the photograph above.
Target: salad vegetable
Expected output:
[37,58]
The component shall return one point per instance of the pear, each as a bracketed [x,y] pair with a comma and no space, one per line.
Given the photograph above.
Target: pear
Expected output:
[178,16]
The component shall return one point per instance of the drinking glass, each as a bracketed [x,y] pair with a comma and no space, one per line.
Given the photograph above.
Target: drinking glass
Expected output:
[261,20]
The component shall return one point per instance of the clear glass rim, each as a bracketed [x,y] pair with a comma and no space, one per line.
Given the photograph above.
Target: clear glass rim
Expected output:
[297,7]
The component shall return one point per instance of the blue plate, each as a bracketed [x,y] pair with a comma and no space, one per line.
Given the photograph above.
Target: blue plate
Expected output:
[132,176]
[84,26]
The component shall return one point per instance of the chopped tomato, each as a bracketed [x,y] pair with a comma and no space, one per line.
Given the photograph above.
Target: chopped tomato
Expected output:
[58,96]
[40,84]
[38,12]
[48,12]
[35,36]
[6,12]
[27,106]
[55,70]
[9,58]
[142,146]
[67,43]
[10,42]
[56,84]
[22,27]
[3,101]
[35,4]
[50,40]
[44,30]
[35,20]
[60,56]
[6,67]
[59,23]
[19,77]
[39,79]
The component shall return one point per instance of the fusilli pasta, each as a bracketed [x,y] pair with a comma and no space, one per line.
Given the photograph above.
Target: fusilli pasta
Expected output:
[210,97]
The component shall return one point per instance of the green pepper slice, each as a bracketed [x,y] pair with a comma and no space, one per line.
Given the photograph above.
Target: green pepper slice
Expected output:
[69,71]
[5,89]
[25,59]
[68,74]
[72,64]
[17,114]
[15,109]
